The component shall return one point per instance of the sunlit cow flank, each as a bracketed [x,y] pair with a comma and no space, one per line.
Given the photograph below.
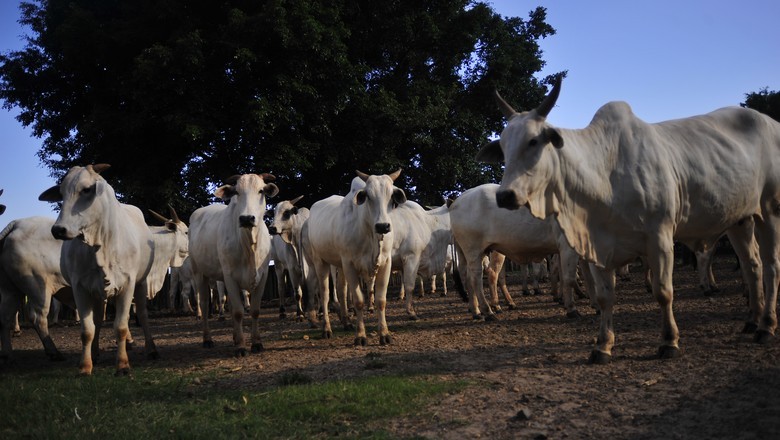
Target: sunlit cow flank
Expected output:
[231,243]
[621,188]
[288,251]
[355,233]
[107,254]
[479,227]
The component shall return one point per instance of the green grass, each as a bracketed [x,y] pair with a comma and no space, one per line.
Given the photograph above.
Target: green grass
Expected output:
[165,404]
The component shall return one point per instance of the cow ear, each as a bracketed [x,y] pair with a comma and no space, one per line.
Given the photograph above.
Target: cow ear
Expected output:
[449,202]
[270,190]
[51,195]
[295,210]
[172,226]
[554,136]
[360,197]
[491,153]
[399,196]
[225,192]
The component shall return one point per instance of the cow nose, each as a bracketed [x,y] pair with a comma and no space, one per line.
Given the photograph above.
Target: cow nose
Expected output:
[382,228]
[507,199]
[59,232]
[272,230]
[246,221]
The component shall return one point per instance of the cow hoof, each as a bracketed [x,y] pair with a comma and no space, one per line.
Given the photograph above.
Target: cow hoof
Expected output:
[361,341]
[526,293]
[476,317]
[491,318]
[123,372]
[208,344]
[599,358]
[240,352]
[257,347]
[153,355]
[327,334]
[385,340]
[57,357]
[443,294]
[17,333]
[537,292]
[574,314]
[669,352]
[413,317]
[129,345]
[762,336]
[750,327]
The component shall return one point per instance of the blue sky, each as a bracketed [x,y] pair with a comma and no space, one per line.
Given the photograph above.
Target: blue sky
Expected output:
[667,59]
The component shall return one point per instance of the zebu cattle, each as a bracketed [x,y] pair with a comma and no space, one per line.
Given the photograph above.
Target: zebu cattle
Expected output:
[287,248]
[356,234]
[2,207]
[436,258]
[621,188]
[479,226]
[107,253]
[230,243]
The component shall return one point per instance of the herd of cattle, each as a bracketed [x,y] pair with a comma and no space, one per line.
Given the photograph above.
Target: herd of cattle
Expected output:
[606,194]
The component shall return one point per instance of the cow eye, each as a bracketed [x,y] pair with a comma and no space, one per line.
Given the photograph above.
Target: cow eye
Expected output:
[286,215]
[532,142]
[88,190]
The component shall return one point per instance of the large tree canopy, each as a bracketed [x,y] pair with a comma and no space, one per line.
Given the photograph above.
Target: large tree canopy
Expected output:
[764,101]
[177,95]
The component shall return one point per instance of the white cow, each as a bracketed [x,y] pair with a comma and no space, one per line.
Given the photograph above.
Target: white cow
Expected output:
[479,226]
[107,254]
[355,233]
[2,207]
[436,258]
[230,243]
[287,248]
[621,188]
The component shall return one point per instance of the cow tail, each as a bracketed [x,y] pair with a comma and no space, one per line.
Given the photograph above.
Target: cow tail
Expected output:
[459,286]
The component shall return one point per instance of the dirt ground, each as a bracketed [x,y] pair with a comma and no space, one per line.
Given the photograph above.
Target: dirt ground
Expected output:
[529,372]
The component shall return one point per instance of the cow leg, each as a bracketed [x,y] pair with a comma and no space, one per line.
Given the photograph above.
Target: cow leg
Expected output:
[203,291]
[432,281]
[9,304]
[479,304]
[769,245]
[604,280]
[358,301]
[743,240]
[142,312]
[381,281]
[504,291]
[39,305]
[568,266]
[281,288]
[495,264]
[234,294]
[704,270]
[256,299]
[86,308]
[409,280]
[322,270]
[122,329]
[661,261]
[172,289]
[341,285]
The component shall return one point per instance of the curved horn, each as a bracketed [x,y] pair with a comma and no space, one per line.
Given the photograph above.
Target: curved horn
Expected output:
[505,108]
[99,167]
[174,216]
[549,102]
[395,175]
[296,200]
[159,216]
[232,180]
[362,175]
[268,177]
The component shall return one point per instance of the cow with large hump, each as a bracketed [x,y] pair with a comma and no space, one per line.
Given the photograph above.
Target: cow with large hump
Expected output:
[230,243]
[289,262]
[107,253]
[479,227]
[355,233]
[621,188]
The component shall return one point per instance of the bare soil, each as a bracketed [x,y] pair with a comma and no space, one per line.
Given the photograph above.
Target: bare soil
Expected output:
[528,372]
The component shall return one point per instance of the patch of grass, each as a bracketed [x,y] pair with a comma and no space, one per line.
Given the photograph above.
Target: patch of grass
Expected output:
[164,403]
[294,378]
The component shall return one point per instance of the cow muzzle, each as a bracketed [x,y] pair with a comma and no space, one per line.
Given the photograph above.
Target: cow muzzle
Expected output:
[507,199]
[60,232]
[272,230]
[246,221]
[382,228]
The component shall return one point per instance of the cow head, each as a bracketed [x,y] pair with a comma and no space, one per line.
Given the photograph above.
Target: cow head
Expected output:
[2,207]
[284,218]
[178,227]
[524,146]
[378,198]
[247,194]
[84,195]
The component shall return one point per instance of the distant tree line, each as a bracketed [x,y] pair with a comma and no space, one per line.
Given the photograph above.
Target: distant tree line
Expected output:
[178,95]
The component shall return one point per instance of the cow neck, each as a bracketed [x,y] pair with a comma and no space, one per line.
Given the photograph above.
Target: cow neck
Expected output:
[103,238]
[375,243]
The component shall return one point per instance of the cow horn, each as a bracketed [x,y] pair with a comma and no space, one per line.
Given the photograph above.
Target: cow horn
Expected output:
[505,108]
[232,180]
[549,102]
[268,177]
[362,175]
[99,167]
[395,175]
[296,200]
[159,216]
[174,216]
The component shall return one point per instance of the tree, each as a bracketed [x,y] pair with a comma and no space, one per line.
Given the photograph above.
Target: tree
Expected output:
[764,101]
[179,95]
